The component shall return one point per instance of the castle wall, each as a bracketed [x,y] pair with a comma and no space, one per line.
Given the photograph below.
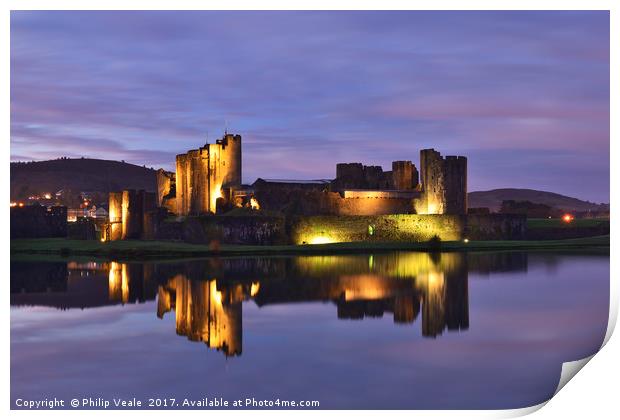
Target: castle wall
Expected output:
[444,183]
[267,230]
[496,227]
[358,176]
[455,178]
[311,199]
[404,175]
[165,182]
[115,213]
[367,206]
[431,170]
[406,228]
[350,175]
[170,204]
[129,214]
[394,227]
[181,185]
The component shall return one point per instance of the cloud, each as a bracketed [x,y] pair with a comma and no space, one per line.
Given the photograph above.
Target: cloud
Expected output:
[367,86]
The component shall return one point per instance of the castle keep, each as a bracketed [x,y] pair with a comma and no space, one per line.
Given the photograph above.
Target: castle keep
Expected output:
[204,175]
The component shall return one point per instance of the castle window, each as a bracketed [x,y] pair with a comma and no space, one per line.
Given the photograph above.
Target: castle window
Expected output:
[371,230]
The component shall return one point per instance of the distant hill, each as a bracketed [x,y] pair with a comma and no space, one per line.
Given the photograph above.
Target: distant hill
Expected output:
[78,175]
[493,199]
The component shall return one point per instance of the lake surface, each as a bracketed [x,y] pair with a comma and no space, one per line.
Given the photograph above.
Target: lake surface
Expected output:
[405,330]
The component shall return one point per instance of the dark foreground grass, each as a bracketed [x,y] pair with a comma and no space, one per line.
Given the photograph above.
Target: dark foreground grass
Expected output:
[559,223]
[167,250]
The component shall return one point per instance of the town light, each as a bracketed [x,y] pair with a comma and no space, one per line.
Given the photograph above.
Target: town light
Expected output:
[567,218]
[254,204]
[466,240]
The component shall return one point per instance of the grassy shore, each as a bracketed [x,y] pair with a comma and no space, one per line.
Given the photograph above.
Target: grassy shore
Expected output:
[165,250]
[559,223]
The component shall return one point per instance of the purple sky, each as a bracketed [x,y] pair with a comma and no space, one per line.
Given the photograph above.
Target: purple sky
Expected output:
[524,95]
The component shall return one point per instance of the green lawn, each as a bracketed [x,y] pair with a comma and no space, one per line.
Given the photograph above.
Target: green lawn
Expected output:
[161,249]
[555,223]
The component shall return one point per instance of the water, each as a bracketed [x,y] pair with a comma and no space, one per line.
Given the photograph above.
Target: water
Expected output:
[396,330]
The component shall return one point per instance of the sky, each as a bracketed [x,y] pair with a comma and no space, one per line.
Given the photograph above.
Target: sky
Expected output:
[524,95]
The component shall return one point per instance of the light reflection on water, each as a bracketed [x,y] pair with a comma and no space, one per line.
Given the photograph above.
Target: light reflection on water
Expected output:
[394,330]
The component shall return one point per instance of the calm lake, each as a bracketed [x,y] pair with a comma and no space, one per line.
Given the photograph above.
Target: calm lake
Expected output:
[404,330]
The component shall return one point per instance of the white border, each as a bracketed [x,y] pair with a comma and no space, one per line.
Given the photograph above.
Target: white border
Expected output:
[594,394]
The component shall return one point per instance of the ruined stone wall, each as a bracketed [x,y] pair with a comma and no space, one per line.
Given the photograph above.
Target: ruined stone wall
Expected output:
[255,230]
[358,176]
[394,227]
[349,175]
[165,185]
[431,171]
[170,204]
[404,175]
[455,178]
[181,185]
[496,227]
[405,228]
[444,183]
[115,214]
[376,179]
[270,230]
[367,206]
[132,213]
[128,214]
[304,199]
[289,198]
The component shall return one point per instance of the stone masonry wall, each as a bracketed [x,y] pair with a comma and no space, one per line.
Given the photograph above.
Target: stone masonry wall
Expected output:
[269,230]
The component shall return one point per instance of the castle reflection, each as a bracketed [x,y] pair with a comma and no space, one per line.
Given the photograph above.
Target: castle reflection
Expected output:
[204,313]
[206,296]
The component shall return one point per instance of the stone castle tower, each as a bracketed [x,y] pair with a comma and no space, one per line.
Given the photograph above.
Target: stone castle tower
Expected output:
[206,174]
[444,183]
[405,175]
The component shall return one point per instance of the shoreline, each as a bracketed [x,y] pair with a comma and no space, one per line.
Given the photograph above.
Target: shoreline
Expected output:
[138,249]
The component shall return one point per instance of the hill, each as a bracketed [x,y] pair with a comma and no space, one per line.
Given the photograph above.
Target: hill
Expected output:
[31,178]
[493,199]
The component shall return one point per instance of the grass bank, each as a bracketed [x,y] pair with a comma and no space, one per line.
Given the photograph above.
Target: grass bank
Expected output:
[165,250]
[559,223]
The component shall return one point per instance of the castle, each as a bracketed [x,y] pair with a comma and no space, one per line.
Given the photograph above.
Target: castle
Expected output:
[208,181]
[362,203]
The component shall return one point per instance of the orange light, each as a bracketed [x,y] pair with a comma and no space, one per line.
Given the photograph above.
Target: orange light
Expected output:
[567,218]
[21,204]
